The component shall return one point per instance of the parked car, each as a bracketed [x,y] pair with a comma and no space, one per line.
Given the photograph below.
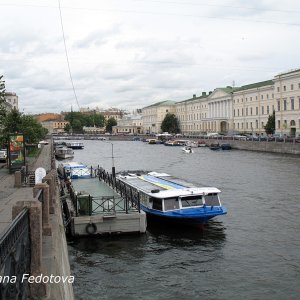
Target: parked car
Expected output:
[3,155]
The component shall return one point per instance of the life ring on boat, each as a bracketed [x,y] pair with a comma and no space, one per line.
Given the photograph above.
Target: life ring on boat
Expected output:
[91,228]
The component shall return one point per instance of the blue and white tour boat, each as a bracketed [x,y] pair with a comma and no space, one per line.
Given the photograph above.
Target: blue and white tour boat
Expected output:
[168,198]
[73,170]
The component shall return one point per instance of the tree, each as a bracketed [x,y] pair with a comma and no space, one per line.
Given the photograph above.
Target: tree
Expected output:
[2,89]
[77,126]
[67,128]
[170,124]
[270,126]
[110,123]
[14,121]
[90,120]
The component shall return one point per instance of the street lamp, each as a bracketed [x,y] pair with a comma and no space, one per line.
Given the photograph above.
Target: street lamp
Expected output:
[113,169]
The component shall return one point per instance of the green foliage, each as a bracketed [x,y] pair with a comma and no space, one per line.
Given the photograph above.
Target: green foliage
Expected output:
[14,121]
[270,126]
[79,120]
[170,124]
[110,123]
[67,128]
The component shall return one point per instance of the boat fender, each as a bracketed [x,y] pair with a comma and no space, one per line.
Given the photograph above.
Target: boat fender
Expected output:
[155,191]
[91,228]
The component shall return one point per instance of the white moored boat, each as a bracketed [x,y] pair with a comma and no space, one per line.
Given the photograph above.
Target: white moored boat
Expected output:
[63,152]
[168,198]
[75,145]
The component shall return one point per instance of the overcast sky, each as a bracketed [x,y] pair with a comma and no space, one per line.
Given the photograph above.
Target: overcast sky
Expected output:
[132,53]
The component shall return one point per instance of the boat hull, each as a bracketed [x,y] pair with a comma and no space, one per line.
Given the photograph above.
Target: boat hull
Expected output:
[185,216]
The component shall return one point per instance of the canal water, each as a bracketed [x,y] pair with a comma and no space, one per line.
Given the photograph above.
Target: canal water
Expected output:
[253,252]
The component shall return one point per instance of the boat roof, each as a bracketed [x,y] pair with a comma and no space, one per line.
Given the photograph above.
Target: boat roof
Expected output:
[162,185]
[73,164]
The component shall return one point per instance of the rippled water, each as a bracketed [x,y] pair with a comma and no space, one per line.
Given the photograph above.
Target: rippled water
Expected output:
[253,252]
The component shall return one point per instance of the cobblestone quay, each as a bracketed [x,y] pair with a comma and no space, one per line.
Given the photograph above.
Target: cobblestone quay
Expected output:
[49,255]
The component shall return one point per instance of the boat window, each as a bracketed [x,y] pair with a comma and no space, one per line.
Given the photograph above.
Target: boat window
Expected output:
[212,199]
[156,203]
[171,203]
[191,201]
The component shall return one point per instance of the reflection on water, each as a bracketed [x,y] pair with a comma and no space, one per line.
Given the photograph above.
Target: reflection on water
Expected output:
[252,252]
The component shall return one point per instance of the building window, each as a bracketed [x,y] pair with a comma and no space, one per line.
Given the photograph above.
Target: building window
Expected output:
[246,111]
[268,110]
[251,111]
[278,126]
[267,96]
[234,112]
[278,105]
[262,97]
[262,124]
[262,110]
[256,110]
[278,89]
[242,112]
[284,105]
[292,87]
[284,88]
[250,98]
[247,125]
[256,123]
[292,104]
[238,112]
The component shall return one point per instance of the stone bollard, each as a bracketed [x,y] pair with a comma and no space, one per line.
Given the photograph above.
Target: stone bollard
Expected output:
[45,206]
[18,179]
[37,290]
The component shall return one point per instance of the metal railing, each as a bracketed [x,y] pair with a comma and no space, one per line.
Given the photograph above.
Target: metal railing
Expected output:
[15,258]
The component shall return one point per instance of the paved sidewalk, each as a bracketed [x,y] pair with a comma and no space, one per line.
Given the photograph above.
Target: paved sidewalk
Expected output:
[9,195]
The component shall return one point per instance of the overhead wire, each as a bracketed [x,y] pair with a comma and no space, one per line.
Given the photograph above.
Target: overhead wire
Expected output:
[66,53]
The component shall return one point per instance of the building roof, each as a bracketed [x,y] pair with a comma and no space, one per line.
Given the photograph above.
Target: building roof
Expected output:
[289,72]
[162,103]
[202,97]
[254,85]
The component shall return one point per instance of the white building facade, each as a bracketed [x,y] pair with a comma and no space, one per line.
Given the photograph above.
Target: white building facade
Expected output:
[244,109]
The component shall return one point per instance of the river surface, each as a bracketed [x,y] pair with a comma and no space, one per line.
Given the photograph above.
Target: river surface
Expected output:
[253,252]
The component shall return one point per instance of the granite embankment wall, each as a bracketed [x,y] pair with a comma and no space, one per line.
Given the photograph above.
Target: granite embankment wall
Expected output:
[263,146]
[275,147]
[49,254]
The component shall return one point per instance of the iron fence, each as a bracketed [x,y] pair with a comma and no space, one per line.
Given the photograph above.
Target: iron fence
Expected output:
[15,258]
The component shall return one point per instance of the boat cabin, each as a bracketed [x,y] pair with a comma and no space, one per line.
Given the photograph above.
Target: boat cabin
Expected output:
[170,193]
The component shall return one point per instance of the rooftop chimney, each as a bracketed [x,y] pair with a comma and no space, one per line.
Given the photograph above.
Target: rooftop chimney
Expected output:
[203,93]
[194,95]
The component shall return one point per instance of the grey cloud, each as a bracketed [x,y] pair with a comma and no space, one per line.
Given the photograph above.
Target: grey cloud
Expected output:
[97,38]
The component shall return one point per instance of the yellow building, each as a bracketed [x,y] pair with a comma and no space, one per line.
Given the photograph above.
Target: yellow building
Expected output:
[154,114]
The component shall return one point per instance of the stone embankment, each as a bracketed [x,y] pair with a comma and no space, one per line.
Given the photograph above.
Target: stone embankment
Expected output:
[49,255]
[262,146]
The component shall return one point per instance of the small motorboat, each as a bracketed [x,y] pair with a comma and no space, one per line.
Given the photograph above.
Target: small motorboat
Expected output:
[226,147]
[187,149]
[214,146]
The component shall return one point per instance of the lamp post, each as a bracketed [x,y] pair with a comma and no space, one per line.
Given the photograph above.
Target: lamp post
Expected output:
[113,169]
